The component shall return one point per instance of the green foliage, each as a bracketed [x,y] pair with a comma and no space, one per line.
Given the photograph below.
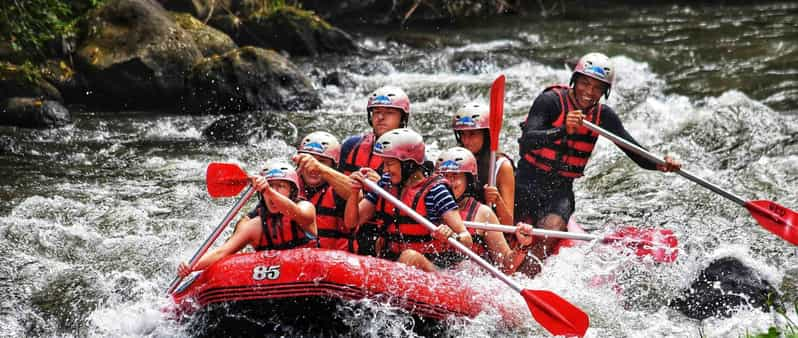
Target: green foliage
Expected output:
[29,25]
[790,330]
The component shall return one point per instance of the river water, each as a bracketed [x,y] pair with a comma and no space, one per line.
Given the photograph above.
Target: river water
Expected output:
[95,216]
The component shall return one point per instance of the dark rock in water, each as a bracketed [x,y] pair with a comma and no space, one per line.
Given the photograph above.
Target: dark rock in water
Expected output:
[296,31]
[253,127]
[70,83]
[134,55]
[723,286]
[417,40]
[248,79]
[209,40]
[24,81]
[339,79]
[29,112]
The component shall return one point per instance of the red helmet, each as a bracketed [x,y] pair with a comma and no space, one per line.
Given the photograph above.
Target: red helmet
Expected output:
[277,170]
[597,66]
[402,144]
[321,143]
[471,116]
[390,97]
[456,160]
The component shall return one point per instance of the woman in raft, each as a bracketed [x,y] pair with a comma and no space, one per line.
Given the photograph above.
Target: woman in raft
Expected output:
[459,166]
[285,220]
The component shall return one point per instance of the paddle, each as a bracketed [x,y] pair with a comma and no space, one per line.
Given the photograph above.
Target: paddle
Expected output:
[496,115]
[660,244]
[555,314]
[222,180]
[772,216]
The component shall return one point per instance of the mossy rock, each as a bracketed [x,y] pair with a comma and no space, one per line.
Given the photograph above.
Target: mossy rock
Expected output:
[28,112]
[134,55]
[209,40]
[25,80]
[246,79]
[296,31]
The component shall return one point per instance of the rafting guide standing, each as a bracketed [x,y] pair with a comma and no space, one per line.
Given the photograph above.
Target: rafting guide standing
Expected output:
[555,147]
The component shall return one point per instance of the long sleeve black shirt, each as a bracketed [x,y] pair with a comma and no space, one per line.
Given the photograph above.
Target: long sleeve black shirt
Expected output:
[538,131]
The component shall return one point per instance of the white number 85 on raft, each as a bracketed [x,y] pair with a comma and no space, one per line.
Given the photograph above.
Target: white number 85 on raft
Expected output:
[261,272]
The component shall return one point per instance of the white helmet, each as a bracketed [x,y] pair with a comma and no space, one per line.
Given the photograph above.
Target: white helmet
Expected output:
[597,66]
[473,115]
[390,97]
[456,160]
[278,170]
[321,143]
[402,144]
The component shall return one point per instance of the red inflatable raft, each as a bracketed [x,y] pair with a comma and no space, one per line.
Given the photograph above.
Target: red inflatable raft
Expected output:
[305,286]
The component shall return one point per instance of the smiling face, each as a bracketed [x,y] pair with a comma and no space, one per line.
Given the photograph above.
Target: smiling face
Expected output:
[384,119]
[315,179]
[458,182]
[392,167]
[587,91]
[473,140]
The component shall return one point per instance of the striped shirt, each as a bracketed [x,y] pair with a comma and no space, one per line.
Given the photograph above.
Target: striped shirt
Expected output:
[438,202]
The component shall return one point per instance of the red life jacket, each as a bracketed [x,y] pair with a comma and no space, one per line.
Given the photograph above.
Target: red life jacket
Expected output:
[468,213]
[401,231]
[568,159]
[330,221]
[360,155]
[280,232]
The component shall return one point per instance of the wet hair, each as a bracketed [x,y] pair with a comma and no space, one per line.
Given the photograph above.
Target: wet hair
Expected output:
[483,156]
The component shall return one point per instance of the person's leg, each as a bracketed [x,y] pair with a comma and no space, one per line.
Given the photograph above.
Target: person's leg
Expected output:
[558,205]
[414,258]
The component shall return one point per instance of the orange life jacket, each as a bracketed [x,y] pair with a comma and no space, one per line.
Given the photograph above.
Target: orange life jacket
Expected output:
[568,158]
[360,156]
[330,222]
[280,232]
[401,231]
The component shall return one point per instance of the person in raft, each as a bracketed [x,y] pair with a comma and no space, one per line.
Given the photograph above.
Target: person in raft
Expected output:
[317,152]
[459,167]
[388,108]
[555,147]
[405,176]
[284,219]
[471,125]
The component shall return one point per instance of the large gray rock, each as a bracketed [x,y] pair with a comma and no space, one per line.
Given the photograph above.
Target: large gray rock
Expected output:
[725,285]
[296,31]
[134,55]
[209,40]
[247,79]
[29,112]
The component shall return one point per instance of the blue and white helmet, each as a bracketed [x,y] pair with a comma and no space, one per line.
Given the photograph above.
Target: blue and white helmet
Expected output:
[321,143]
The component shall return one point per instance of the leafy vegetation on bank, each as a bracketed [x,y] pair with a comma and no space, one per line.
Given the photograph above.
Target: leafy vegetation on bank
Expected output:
[29,26]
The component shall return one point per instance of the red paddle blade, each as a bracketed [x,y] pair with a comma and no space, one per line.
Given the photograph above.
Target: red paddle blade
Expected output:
[496,111]
[660,244]
[555,314]
[775,218]
[225,179]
